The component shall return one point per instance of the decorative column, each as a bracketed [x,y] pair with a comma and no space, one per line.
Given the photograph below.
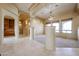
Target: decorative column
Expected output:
[1,31]
[31,33]
[31,29]
[50,37]
[16,27]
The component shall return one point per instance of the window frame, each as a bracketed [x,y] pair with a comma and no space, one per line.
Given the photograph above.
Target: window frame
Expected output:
[66,31]
[57,31]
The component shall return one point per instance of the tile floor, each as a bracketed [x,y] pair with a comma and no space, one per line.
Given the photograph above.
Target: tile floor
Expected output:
[60,42]
[26,47]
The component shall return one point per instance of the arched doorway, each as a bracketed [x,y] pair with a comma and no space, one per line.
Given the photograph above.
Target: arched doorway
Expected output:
[24,24]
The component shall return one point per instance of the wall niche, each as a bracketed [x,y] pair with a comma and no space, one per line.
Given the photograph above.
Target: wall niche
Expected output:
[9,26]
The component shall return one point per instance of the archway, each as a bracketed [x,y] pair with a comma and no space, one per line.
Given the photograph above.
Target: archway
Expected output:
[24,24]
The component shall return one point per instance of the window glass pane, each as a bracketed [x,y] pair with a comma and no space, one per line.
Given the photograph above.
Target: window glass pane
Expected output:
[57,31]
[67,26]
[56,26]
[48,24]
[69,31]
[64,31]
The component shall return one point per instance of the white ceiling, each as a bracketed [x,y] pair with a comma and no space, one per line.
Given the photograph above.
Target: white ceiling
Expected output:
[44,11]
[23,6]
[56,9]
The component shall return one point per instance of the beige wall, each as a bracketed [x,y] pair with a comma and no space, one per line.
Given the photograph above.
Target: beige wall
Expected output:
[9,10]
[75,25]
[1,30]
[15,16]
[38,26]
[9,7]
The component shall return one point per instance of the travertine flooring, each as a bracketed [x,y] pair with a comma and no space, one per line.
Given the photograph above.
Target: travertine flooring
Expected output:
[25,47]
[60,42]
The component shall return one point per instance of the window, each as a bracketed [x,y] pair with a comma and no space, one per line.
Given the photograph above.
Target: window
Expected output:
[48,24]
[67,26]
[56,26]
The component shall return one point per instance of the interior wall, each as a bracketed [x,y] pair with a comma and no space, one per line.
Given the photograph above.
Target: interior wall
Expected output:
[1,31]
[12,11]
[6,12]
[9,7]
[75,25]
[38,26]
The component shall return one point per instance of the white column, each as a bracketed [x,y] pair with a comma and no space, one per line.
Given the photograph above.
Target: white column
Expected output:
[16,29]
[31,33]
[1,30]
[31,29]
[50,37]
